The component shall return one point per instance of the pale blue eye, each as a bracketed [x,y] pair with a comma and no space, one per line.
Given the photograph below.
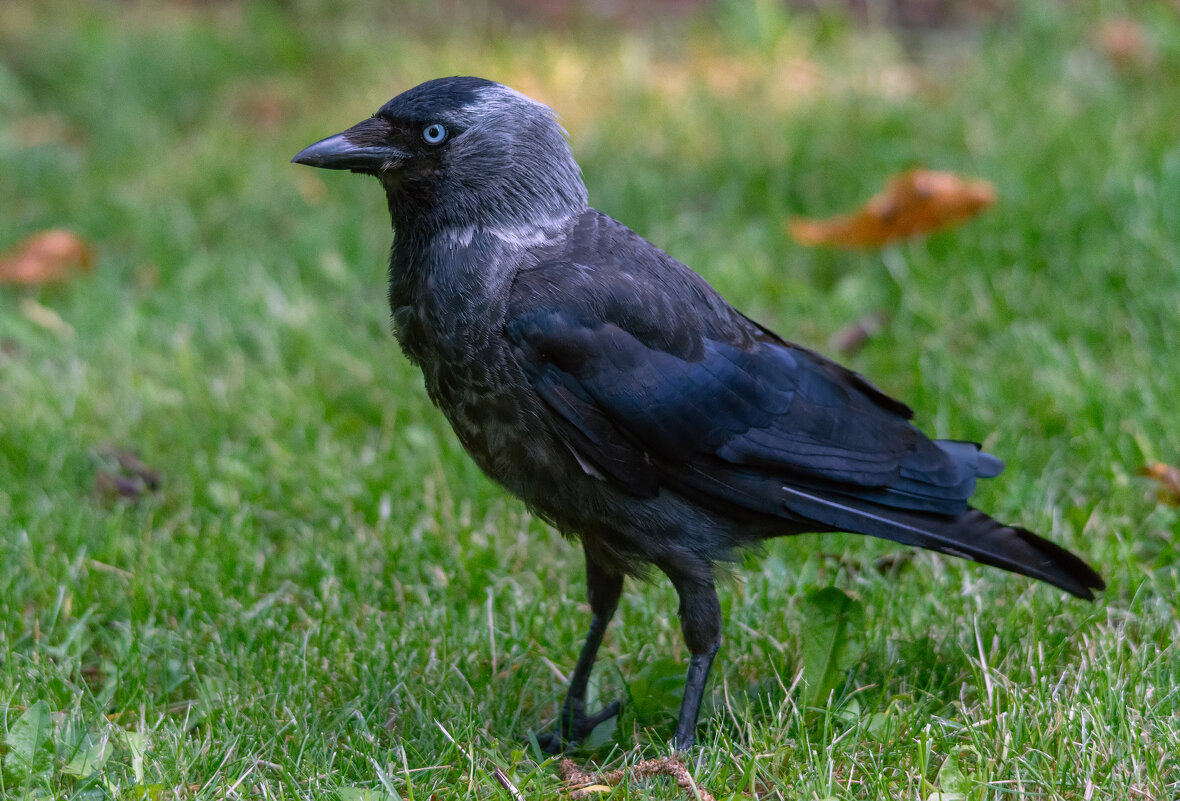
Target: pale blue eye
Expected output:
[434,134]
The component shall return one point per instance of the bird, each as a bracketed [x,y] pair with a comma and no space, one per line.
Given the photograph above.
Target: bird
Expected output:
[621,397]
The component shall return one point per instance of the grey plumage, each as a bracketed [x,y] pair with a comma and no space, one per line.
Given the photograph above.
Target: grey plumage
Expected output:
[615,392]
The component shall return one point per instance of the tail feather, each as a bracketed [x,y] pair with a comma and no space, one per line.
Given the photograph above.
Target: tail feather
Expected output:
[938,476]
[972,535]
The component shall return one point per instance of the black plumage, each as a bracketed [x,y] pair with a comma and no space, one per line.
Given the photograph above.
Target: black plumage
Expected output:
[620,396]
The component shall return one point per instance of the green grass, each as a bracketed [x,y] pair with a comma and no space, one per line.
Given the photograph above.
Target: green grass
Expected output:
[325,581]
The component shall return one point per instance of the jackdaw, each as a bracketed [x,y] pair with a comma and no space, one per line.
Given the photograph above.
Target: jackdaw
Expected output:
[620,396]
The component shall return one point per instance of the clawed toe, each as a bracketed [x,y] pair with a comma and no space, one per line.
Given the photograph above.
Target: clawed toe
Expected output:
[576,728]
[590,722]
[549,742]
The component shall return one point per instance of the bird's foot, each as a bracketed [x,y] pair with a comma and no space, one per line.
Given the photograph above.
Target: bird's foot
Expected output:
[573,727]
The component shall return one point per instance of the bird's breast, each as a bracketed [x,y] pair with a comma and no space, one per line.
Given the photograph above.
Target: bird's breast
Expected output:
[471,377]
[500,423]
[449,307]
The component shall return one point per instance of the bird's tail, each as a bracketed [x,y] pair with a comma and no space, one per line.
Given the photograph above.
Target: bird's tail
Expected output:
[972,535]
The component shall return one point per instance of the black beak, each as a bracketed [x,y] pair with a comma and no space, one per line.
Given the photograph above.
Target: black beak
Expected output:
[362,148]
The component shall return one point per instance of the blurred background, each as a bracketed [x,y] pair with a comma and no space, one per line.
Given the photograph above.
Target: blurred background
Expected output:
[240,553]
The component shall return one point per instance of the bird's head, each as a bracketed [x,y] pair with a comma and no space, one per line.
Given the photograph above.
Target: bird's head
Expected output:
[459,153]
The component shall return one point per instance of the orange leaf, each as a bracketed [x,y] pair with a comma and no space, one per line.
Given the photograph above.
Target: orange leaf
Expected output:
[915,202]
[46,256]
[1168,478]
[1125,42]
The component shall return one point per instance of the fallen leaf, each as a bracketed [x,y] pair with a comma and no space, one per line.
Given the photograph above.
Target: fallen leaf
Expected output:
[1168,478]
[915,202]
[123,475]
[851,338]
[45,257]
[1124,41]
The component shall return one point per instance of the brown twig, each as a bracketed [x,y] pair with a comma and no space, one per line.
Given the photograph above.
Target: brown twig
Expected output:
[587,785]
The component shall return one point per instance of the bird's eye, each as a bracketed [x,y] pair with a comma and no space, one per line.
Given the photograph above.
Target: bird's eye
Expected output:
[434,134]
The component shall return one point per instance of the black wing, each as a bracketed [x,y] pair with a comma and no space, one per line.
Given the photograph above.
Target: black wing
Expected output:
[659,381]
[656,381]
[730,413]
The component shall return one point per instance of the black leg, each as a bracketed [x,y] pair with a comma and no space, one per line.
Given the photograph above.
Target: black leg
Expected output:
[603,589]
[700,620]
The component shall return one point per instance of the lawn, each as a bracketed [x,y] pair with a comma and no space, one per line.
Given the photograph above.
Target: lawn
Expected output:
[323,596]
